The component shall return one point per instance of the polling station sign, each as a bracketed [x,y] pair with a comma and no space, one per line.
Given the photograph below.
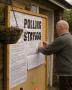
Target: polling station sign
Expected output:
[32,25]
[23,54]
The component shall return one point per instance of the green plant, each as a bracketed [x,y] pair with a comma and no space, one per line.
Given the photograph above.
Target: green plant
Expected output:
[2,15]
[68,17]
[10,35]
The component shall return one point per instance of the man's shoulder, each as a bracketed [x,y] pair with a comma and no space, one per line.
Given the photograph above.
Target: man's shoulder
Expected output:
[67,38]
[64,36]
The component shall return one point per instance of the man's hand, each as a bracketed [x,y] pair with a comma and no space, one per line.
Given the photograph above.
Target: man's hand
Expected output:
[42,44]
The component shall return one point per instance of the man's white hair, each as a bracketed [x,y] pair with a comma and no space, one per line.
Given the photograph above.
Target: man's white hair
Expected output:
[63,24]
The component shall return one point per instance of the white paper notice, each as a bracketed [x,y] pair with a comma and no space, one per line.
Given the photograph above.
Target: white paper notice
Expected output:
[34,59]
[18,59]
[23,54]
[18,65]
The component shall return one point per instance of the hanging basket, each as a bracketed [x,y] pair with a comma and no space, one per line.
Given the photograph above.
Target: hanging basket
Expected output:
[10,35]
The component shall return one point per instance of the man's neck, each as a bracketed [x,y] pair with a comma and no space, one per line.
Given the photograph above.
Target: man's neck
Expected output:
[63,33]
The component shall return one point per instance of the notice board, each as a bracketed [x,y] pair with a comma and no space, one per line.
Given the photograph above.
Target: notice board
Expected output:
[26,68]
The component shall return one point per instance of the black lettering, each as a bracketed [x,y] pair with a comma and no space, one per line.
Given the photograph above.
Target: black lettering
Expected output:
[28,36]
[25,23]
[39,25]
[36,36]
[39,35]
[31,24]
[28,24]
[31,36]
[25,36]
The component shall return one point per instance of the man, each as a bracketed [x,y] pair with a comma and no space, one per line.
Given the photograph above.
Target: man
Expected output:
[62,48]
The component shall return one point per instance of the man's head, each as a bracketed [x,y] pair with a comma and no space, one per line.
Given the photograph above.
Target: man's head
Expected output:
[62,27]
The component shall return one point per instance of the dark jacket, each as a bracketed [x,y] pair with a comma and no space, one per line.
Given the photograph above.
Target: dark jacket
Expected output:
[62,47]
